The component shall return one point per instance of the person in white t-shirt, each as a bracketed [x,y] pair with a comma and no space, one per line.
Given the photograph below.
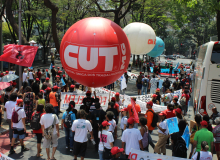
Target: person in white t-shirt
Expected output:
[204,154]
[188,71]
[9,105]
[160,147]
[131,138]
[46,121]
[31,76]
[81,127]
[153,84]
[19,128]
[25,76]
[124,119]
[106,138]
[113,127]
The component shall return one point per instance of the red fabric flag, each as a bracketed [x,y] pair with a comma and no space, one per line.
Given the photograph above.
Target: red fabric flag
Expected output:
[19,54]
[136,119]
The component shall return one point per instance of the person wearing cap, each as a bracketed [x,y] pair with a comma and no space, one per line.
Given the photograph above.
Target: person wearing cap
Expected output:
[139,83]
[176,85]
[145,84]
[39,74]
[178,113]
[81,126]
[47,74]
[40,100]
[131,112]
[124,119]
[175,137]
[97,117]
[58,83]
[53,71]
[153,84]
[131,138]
[203,135]
[54,100]
[117,99]
[187,97]
[19,129]
[36,86]
[88,100]
[116,153]
[158,95]
[43,76]
[154,99]
[113,127]
[149,115]
[216,133]
[25,76]
[175,102]
[166,84]
[46,95]
[71,89]
[170,111]
[48,82]
[204,153]
[182,73]
[111,107]
[160,146]
[31,77]
[214,115]
[106,138]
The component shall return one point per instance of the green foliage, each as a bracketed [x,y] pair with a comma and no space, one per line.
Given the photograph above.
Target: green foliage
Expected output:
[6,33]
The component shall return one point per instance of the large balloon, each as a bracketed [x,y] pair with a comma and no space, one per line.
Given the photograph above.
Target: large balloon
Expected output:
[95,52]
[158,49]
[141,36]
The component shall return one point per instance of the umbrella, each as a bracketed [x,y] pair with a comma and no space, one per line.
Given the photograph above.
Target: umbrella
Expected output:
[9,77]
[4,85]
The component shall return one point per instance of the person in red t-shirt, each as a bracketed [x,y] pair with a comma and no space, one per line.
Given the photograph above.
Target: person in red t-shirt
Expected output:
[170,112]
[131,112]
[186,95]
[40,110]
[39,74]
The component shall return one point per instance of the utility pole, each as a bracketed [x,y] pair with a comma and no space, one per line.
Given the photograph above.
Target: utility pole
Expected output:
[1,39]
[19,23]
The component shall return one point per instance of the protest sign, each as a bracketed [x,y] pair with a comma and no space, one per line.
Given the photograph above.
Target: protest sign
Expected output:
[172,124]
[141,155]
[186,136]
[78,98]
[4,157]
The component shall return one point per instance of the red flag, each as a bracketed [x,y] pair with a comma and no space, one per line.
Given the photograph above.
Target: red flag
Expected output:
[136,119]
[19,54]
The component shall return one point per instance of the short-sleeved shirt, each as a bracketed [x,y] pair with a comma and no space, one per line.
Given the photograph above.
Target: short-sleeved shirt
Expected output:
[112,126]
[73,116]
[169,113]
[21,114]
[163,125]
[203,155]
[48,119]
[216,131]
[187,97]
[106,138]
[203,135]
[131,113]
[81,128]
[153,82]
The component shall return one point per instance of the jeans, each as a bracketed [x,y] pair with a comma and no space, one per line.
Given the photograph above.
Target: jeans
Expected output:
[10,129]
[56,110]
[101,155]
[69,137]
[95,134]
[144,90]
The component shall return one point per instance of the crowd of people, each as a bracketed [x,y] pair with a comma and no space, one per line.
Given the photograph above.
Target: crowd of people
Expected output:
[37,104]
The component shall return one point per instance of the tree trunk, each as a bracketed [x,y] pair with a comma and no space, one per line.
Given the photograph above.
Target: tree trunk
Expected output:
[12,21]
[218,24]
[54,10]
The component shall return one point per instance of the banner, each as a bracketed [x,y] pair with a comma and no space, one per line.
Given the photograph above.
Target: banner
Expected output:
[19,54]
[172,124]
[78,98]
[186,136]
[4,157]
[142,155]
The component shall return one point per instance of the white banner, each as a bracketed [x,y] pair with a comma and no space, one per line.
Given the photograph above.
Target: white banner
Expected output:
[141,155]
[78,99]
[4,157]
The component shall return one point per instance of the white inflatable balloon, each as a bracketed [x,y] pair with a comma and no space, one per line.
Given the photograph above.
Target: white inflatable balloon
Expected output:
[141,36]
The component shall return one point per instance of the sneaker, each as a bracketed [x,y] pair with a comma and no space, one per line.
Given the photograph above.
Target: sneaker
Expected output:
[71,149]
[24,149]
[11,152]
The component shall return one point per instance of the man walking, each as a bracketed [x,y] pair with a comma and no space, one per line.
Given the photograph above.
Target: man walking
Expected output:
[145,82]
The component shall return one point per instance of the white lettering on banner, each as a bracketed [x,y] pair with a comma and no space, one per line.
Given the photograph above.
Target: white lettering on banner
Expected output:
[123,49]
[71,61]
[4,157]
[141,155]
[78,99]
[123,62]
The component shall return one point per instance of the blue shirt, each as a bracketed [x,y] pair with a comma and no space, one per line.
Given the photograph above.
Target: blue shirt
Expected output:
[73,116]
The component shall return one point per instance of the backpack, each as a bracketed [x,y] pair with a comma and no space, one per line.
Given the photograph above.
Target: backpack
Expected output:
[14,117]
[67,120]
[155,119]
[48,132]
[183,101]
[180,149]
[35,122]
[145,83]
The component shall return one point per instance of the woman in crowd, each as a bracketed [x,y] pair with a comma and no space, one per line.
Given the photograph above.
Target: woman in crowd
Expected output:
[144,132]
[117,99]
[43,76]
[124,119]
[139,83]
[204,153]
[29,100]
[40,100]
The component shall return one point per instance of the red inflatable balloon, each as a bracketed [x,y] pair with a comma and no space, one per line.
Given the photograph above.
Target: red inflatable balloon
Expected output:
[95,52]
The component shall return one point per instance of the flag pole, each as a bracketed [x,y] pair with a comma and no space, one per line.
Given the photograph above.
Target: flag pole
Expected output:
[19,23]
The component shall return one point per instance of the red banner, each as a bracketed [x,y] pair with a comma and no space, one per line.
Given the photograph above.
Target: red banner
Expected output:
[134,110]
[19,54]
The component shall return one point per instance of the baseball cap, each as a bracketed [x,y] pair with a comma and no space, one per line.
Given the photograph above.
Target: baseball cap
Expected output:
[58,67]
[6,72]
[105,123]
[53,66]
[14,84]
[88,92]
[55,87]
[204,123]
[140,72]
[113,99]
[188,74]
[117,94]
[72,86]
[48,89]
[177,78]
[58,76]
[158,89]
[37,79]
[2,74]
[64,75]
[150,103]
[174,97]
[19,101]
[178,110]
[161,114]
[124,109]
[130,120]
[47,78]
[116,150]
[154,95]
[59,71]
[41,91]
[116,105]
[46,70]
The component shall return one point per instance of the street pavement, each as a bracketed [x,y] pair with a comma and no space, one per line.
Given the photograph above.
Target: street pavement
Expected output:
[62,152]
